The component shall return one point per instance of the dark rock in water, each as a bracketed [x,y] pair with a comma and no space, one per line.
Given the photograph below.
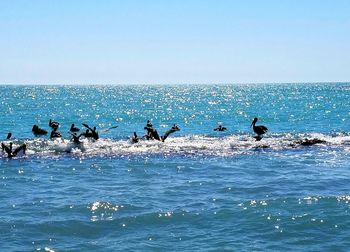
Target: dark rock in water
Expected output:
[257,138]
[310,142]
[264,146]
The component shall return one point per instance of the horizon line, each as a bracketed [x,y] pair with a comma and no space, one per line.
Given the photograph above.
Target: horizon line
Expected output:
[173,84]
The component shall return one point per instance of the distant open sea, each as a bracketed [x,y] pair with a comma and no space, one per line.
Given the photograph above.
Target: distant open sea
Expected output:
[200,190]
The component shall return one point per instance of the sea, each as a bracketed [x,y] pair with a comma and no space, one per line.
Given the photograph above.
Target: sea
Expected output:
[199,190]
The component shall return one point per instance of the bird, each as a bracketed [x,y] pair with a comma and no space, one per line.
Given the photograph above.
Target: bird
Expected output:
[220,128]
[9,135]
[38,131]
[259,130]
[54,125]
[73,128]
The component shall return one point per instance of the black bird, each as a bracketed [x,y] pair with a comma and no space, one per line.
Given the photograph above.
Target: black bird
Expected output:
[12,153]
[73,128]
[259,130]
[135,138]
[55,134]
[9,135]
[172,130]
[38,131]
[54,125]
[220,128]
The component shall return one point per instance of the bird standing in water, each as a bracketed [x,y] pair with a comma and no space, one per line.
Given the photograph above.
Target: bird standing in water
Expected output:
[73,128]
[54,125]
[259,130]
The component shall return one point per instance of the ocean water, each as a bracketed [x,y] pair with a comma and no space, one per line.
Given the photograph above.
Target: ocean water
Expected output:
[200,190]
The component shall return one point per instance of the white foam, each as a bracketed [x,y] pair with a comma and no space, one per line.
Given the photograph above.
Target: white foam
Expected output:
[188,145]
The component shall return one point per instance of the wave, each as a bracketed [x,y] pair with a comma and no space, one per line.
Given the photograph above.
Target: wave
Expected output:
[185,145]
[127,213]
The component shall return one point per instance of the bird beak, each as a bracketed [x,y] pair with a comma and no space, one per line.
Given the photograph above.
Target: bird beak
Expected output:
[251,125]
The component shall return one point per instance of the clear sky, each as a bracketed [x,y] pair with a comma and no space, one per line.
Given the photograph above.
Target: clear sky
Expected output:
[178,41]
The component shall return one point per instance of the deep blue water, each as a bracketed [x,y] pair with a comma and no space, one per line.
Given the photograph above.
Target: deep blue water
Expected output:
[199,190]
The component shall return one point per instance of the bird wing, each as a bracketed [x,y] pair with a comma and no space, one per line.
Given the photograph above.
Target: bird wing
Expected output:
[264,128]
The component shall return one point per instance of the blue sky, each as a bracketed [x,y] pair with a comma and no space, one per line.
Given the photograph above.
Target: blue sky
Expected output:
[166,42]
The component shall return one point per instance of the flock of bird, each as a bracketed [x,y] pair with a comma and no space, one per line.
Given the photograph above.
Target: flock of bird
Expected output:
[151,134]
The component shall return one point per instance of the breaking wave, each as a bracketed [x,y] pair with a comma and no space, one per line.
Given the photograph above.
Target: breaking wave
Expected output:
[185,145]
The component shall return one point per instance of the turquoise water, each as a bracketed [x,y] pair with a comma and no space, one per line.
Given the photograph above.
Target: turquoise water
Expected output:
[199,190]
